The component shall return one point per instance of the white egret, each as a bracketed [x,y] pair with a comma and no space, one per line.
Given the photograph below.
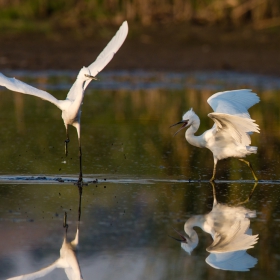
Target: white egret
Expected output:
[230,134]
[71,106]
[228,226]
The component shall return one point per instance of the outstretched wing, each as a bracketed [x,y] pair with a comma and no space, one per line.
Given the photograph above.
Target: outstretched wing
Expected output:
[104,57]
[112,47]
[18,86]
[109,51]
[37,274]
[235,126]
[234,102]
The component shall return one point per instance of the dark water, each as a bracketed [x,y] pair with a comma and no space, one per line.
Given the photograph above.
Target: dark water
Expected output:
[143,191]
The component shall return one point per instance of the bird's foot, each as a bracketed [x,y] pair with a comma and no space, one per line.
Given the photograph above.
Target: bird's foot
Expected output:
[80,183]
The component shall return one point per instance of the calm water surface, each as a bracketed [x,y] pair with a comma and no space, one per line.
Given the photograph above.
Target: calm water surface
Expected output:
[143,191]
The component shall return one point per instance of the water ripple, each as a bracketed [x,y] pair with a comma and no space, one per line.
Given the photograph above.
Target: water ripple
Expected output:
[144,80]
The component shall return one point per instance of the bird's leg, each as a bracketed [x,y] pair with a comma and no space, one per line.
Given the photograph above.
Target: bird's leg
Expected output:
[214,171]
[80,181]
[80,202]
[214,193]
[250,195]
[66,142]
[65,225]
[250,166]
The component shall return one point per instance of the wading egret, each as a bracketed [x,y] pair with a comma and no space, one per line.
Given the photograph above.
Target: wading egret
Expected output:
[229,228]
[230,134]
[71,106]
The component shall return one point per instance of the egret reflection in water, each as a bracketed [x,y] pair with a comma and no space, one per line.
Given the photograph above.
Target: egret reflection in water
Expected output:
[233,261]
[68,258]
[229,227]
[71,106]
[230,134]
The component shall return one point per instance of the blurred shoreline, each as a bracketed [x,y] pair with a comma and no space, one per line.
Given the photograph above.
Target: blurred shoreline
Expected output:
[166,47]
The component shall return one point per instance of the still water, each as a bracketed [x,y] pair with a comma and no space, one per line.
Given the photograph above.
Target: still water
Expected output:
[142,182]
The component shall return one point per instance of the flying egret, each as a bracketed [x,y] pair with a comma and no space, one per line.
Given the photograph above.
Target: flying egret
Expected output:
[230,134]
[228,226]
[71,106]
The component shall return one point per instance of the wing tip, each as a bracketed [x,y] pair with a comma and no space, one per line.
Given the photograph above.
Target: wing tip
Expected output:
[125,23]
[124,28]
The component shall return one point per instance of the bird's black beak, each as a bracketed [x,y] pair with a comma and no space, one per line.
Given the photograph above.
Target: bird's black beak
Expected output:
[91,77]
[183,239]
[184,122]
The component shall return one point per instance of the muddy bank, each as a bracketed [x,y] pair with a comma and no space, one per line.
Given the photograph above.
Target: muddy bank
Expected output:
[167,48]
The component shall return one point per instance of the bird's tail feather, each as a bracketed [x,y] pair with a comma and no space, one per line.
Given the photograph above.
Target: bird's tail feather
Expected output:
[252,149]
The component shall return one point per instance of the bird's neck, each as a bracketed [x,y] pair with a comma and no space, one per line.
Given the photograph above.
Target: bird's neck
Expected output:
[188,227]
[190,137]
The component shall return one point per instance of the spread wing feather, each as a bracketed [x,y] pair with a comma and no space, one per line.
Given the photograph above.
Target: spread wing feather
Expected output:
[18,86]
[234,102]
[237,127]
[234,239]
[104,57]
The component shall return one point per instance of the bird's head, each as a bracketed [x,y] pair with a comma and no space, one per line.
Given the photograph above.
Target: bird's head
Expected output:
[187,120]
[85,74]
[185,241]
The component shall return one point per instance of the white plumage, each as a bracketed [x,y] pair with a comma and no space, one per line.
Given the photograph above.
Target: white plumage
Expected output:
[232,261]
[67,261]
[71,106]
[230,134]
[229,227]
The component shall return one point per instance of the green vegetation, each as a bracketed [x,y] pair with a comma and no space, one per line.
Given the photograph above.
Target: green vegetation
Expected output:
[127,132]
[50,14]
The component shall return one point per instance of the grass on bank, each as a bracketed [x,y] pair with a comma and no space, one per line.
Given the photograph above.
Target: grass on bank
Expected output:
[46,15]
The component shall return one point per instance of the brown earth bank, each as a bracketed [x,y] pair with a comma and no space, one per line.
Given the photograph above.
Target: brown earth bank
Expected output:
[162,47]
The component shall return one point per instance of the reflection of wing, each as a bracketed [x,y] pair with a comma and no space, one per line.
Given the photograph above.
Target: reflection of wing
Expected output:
[18,86]
[234,102]
[38,274]
[234,239]
[234,126]
[71,264]
[234,261]
[68,261]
